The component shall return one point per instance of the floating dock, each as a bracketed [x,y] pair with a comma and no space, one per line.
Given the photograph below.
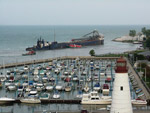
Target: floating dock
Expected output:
[60,101]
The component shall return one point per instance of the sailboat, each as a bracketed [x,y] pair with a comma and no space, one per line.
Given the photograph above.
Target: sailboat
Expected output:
[56,95]
[86,88]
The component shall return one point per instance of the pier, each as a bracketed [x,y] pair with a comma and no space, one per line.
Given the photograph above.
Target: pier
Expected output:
[60,101]
[140,82]
[10,65]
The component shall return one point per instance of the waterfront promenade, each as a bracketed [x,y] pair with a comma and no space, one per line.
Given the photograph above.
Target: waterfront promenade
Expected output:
[140,82]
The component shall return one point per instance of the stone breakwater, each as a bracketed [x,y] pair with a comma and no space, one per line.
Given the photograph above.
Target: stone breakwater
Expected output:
[128,39]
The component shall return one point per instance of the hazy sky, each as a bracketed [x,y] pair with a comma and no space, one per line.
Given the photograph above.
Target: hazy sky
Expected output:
[74,12]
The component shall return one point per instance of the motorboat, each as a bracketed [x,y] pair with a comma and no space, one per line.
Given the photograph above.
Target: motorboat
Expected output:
[105,89]
[56,95]
[20,88]
[36,78]
[97,86]
[36,72]
[139,101]
[45,78]
[68,87]
[75,78]
[30,100]
[59,86]
[94,98]
[11,87]
[49,87]
[5,100]
[44,96]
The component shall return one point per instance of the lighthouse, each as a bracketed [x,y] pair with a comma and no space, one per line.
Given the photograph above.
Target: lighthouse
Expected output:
[121,99]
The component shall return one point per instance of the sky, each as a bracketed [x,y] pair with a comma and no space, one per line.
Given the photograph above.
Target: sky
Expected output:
[74,12]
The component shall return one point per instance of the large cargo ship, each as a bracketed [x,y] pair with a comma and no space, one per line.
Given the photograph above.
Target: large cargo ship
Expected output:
[93,38]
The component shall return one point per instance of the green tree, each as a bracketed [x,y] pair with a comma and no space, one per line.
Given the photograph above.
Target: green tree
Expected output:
[148,43]
[148,33]
[92,52]
[132,33]
[143,30]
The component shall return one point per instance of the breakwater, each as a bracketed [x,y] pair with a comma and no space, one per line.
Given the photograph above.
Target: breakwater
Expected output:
[10,65]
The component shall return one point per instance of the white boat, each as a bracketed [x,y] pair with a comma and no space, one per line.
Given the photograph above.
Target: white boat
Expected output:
[45,78]
[33,92]
[57,71]
[97,86]
[56,95]
[26,67]
[49,87]
[75,78]
[139,102]
[12,88]
[30,100]
[2,78]
[39,88]
[36,78]
[36,72]
[59,87]
[94,98]
[4,100]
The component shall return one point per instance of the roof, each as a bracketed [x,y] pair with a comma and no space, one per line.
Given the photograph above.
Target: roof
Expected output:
[121,59]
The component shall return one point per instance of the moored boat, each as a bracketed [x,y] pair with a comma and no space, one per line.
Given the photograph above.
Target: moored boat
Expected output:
[29,53]
[5,100]
[94,98]
[139,101]
[30,100]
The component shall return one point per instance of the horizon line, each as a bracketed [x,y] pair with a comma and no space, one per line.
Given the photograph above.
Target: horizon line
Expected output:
[77,25]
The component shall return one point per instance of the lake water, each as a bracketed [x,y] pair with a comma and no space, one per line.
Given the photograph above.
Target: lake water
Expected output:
[15,39]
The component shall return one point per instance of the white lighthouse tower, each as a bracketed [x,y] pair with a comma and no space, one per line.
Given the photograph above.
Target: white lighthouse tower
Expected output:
[121,99]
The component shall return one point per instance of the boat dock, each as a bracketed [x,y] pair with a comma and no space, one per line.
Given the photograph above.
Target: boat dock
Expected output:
[60,101]
[99,111]
[10,65]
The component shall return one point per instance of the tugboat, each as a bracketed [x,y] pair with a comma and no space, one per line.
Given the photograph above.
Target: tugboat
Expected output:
[92,38]
[29,53]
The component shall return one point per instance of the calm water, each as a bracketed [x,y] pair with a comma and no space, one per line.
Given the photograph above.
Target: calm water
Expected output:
[14,40]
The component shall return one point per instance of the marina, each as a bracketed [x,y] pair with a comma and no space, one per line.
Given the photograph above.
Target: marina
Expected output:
[71,78]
